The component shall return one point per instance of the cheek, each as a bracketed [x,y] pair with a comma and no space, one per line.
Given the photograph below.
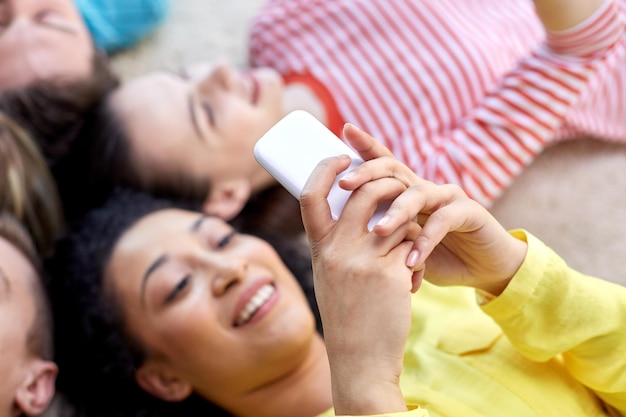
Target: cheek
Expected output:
[13,351]
[189,328]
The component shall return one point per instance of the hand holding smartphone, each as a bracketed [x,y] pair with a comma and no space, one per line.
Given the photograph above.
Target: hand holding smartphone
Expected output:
[293,147]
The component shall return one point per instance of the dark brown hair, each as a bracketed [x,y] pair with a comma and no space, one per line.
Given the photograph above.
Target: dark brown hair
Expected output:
[52,111]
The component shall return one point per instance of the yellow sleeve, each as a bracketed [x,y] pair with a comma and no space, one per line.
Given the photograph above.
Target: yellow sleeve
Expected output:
[549,310]
[417,412]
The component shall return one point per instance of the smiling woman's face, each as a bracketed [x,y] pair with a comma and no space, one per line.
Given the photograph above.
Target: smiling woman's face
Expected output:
[200,125]
[42,39]
[214,308]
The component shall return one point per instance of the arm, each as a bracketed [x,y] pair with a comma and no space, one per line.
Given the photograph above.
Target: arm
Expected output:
[460,242]
[549,309]
[355,270]
[559,15]
[545,308]
[514,122]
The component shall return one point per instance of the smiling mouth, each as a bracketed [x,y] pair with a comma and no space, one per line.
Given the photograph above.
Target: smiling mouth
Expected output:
[256,302]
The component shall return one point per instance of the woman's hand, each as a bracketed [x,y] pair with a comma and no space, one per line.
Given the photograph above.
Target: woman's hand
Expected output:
[460,242]
[363,290]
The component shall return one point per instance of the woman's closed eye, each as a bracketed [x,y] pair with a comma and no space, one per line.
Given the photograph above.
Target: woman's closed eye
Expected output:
[223,242]
[208,111]
[185,280]
[182,284]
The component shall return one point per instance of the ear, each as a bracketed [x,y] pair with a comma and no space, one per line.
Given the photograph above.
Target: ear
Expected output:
[156,379]
[227,198]
[35,394]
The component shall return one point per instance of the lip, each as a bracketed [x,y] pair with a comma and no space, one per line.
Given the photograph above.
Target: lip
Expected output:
[245,298]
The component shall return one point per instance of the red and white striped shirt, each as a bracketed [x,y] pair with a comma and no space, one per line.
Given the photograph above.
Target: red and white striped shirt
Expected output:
[466,92]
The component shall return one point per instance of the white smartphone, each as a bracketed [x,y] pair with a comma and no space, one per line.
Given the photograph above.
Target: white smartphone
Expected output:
[293,147]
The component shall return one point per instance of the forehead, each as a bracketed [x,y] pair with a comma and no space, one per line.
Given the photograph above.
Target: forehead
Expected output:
[157,97]
[166,225]
[162,224]
[156,114]
[26,62]
[32,51]
[161,230]
[135,93]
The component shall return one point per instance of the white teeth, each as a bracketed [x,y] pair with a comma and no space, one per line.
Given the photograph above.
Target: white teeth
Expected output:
[262,295]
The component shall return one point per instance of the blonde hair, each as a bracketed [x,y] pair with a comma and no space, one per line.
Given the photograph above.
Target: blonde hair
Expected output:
[27,189]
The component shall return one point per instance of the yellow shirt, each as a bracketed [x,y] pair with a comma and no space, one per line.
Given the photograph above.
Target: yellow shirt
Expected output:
[553,344]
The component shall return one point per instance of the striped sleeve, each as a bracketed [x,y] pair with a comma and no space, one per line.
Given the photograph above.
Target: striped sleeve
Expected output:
[456,104]
[518,119]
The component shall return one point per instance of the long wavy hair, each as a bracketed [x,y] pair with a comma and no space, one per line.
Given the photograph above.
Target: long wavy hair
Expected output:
[29,192]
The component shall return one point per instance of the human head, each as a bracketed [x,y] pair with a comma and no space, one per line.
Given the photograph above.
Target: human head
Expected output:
[42,39]
[52,111]
[26,366]
[28,191]
[103,347]
[188,134]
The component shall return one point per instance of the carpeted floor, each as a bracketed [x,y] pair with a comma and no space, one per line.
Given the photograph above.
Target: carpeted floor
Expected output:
[197,30]
[572,197]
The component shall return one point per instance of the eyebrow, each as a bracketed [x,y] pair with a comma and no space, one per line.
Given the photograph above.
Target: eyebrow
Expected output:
[59,27]
[192,115]
[161,260]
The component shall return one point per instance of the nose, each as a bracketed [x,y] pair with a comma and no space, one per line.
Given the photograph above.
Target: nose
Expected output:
[222,76]
[228,271]
[15,26]
[20,13]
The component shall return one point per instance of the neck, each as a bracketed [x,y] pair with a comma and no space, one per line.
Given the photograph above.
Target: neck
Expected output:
[305,392]
[299,96]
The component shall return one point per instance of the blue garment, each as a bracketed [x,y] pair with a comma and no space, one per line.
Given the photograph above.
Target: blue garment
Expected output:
[117,24]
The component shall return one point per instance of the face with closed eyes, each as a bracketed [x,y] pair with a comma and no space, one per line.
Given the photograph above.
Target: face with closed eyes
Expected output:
[215,309]
[42,39]
[201,124]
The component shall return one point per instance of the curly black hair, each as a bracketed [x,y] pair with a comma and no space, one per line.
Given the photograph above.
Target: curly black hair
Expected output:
[96,359]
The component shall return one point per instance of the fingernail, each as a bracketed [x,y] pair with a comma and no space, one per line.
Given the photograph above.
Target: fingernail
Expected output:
[412,259]
[384,220]
[348,176]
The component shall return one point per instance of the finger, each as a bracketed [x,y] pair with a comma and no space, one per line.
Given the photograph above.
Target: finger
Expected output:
[407,233]
[365,145]
[417,279]
[414,203]
[363,202]
[456,217]
[314,207]
[379,168]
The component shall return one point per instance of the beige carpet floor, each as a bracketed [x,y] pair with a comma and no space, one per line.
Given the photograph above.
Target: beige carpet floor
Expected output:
[573,196]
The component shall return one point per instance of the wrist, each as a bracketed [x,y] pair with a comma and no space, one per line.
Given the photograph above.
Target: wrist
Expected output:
[366,397]
[514,256]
